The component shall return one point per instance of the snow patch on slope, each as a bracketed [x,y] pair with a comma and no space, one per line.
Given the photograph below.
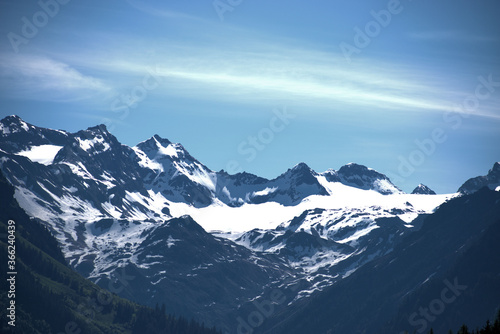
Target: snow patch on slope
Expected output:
[264,192]
[170,150]
[43,154]
[88,144]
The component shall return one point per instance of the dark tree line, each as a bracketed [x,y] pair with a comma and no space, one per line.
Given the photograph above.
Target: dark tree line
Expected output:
[489,328]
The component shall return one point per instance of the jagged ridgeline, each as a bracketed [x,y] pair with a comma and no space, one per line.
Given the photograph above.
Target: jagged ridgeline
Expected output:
[154,225]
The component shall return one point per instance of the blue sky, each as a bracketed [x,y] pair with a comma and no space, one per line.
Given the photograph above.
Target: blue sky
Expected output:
[409,88]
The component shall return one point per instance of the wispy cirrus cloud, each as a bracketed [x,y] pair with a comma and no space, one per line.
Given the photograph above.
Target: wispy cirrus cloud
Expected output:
[304,77]
[262,75]
[251,77]
[39,77]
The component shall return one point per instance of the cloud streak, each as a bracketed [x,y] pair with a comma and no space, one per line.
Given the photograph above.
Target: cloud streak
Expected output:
[263,75]
[37,77]
[307,77]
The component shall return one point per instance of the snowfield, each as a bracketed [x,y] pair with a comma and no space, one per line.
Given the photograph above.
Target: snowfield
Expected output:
[223,219]
[43,154]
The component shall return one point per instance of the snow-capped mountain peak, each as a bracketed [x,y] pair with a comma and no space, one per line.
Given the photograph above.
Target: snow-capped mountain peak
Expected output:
[158,148]
[95,140]
[168,168]
[16,135]
[152,145]
[13,124]
[301,173]
[490,180]
[362,177]
[301,167]
[422,189]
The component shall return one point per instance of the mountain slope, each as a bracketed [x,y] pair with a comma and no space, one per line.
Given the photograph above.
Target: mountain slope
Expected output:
[194,273]
[477,297]
[443,250]
[490,180]
[51,298]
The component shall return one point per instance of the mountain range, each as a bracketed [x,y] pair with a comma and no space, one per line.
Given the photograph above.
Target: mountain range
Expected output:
[46,296]
[214,246]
